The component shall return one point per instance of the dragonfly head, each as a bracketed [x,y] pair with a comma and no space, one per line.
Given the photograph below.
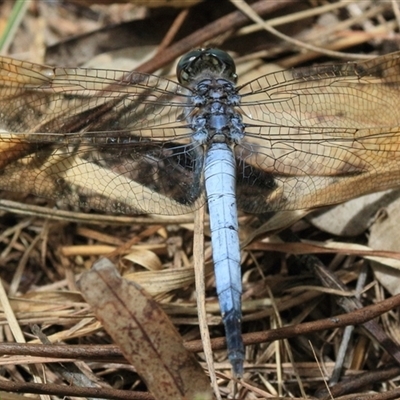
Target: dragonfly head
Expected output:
[199,61]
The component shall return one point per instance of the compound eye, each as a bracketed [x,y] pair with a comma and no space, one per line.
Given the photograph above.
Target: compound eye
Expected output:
[184,65]
[224,59]
[213,59]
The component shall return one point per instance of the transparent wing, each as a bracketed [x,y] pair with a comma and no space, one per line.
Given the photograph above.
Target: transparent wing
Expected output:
[321,135]
[98,139]
[102,139]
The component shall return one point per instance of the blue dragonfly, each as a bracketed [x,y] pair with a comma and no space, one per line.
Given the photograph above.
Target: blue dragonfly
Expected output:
[134,143]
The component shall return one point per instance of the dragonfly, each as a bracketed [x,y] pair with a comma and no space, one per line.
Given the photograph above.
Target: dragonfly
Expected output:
[133,143]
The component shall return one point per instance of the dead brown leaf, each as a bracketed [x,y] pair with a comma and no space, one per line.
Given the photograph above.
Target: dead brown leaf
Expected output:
[144,333]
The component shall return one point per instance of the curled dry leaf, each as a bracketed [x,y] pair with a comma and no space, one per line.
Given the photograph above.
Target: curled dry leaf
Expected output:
[144,333]
[353,217]
[146,258]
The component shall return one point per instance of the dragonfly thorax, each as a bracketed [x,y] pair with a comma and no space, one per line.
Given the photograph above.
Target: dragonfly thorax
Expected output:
[211,76]
[216,118]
